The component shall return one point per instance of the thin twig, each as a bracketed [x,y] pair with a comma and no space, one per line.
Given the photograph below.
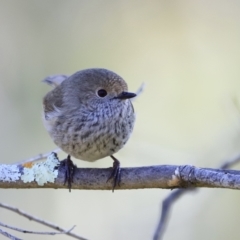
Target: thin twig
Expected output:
[34,232]
[166,206]
[38,157]
[230,162]
[8,235]
[43,222]
[139,92]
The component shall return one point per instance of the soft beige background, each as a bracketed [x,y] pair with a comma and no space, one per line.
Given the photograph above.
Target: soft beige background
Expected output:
[187,53]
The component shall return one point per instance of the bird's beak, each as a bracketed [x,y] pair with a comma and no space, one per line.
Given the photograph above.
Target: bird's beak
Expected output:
[126,95]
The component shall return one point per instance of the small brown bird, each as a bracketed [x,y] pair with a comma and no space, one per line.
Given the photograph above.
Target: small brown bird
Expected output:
[89,115]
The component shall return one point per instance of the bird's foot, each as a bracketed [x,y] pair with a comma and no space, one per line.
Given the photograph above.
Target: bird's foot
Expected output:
[69,169]
[115,174]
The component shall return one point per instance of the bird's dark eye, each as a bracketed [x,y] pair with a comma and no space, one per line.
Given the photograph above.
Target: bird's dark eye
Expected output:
[102,93]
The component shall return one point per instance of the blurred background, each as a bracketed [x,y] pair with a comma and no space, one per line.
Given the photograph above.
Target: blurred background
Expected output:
[188,55]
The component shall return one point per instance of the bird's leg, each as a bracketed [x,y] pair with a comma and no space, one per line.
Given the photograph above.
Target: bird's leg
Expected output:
[69,169]
[116,173]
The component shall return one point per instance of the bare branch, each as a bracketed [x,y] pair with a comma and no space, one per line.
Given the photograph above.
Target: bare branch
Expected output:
[175,195]
[33,232]
[230,162]
[43,222]
[165,211]
[6,234]
[163,176]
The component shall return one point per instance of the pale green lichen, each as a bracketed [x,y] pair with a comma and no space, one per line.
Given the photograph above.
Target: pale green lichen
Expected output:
[9,173]
[42,172]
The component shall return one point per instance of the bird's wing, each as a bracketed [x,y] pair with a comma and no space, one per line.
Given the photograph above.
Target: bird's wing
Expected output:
[53,102]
